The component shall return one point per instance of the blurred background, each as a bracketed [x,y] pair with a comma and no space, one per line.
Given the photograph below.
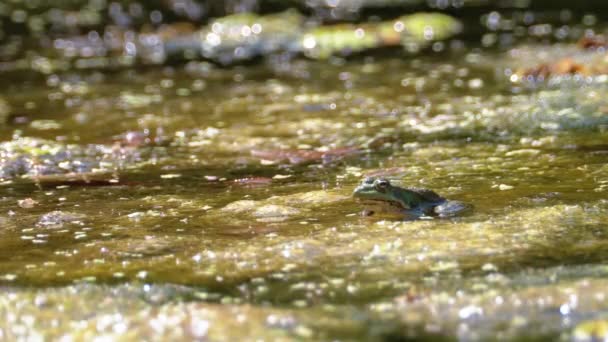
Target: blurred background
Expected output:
[91,34]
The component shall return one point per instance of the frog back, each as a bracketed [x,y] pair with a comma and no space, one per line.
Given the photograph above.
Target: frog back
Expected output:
[426,195]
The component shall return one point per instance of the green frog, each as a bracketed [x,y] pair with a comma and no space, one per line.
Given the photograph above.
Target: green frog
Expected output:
[410,202]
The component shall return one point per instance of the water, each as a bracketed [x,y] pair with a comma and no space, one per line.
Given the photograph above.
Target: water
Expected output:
[216,202]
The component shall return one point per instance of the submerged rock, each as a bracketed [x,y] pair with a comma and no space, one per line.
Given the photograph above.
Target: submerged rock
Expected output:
[240,206]
[147,246]
[57,219]
[281,208]
[510,314]
[43,160]
[111,312]
[542,112]
[263,211]
[275,211]
[311,198]
[27,203]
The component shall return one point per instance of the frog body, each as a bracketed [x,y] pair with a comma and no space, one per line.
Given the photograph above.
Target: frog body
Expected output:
[411,202]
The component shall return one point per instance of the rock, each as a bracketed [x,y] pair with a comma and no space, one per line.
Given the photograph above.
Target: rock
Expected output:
[589,331]
[273,210]
[38,158]
[57,219]
[27,203]
[240,206]
[311,198]
[504,187]
[147,246]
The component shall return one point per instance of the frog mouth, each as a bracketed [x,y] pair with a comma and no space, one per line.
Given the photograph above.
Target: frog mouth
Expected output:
[382,203]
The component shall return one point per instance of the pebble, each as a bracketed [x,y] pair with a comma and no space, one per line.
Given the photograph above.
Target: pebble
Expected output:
[27,203]
[504,187]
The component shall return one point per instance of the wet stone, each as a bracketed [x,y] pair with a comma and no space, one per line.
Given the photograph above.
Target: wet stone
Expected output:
[240,206]
[147,246]
[58,219]
[27,203]
[275,211]
[313,198]
[33,158]
[591,331]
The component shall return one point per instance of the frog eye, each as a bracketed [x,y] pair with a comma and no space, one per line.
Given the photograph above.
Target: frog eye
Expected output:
[382,185]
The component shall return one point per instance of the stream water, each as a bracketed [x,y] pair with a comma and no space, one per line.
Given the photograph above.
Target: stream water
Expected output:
[215,202]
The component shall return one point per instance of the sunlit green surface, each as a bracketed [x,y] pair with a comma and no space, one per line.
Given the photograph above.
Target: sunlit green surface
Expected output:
[173,243]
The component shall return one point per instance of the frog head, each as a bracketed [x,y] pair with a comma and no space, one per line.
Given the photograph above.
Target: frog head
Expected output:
[380,189]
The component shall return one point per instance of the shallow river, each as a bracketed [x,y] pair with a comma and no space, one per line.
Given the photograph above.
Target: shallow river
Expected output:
[216,202]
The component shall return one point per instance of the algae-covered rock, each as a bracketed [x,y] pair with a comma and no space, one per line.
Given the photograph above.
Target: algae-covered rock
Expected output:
[412,31]
[325,41]
[125,312]
[274,212]
[44,160]
[57,219]
[263,211]
[548,110]
[281,207]
[422,28]
[311,198]
[138,247]
[246,35]
[509,313]
[591,331]
[240,206]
